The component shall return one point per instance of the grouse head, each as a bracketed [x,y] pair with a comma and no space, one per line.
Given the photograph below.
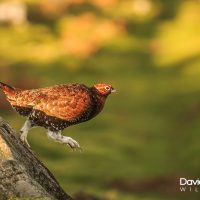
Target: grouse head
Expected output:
[104,89]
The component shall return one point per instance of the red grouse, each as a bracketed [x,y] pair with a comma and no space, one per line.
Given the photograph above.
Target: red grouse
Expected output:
[57,107]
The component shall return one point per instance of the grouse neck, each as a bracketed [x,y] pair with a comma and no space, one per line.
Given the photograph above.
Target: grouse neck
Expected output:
[98,100]
[98,95]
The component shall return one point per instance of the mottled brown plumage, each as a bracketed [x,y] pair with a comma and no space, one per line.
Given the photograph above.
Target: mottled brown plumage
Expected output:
[57,107]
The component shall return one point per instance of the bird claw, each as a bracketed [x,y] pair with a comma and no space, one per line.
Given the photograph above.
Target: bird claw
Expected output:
[73,143]
[76,149]
[23,137]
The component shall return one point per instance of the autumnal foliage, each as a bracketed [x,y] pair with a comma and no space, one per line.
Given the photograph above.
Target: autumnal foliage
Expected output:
[85,34]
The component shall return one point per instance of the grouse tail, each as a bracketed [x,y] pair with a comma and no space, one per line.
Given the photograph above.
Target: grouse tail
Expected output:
[8,90]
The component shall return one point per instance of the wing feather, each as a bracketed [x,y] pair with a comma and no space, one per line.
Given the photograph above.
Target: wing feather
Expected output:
[66,102]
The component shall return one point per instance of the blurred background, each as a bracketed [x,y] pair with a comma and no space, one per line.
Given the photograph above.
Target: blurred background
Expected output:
[148,135]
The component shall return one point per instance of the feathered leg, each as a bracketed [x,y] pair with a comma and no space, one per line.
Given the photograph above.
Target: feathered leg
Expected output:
[24,131]
[63,139]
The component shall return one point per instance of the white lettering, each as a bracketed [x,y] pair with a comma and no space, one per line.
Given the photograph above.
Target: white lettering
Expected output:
[183,189]
[183,181]
[189,182]
[196,182]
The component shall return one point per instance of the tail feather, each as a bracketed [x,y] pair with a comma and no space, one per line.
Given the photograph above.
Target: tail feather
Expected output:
[8,90]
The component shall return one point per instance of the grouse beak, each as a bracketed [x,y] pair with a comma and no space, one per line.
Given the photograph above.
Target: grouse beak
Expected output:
[113,91]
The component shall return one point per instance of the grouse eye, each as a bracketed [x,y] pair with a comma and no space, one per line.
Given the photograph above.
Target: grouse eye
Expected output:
[107,88]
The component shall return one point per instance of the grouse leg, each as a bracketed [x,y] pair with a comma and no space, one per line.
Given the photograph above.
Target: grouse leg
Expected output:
[24,131]
[63,139]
